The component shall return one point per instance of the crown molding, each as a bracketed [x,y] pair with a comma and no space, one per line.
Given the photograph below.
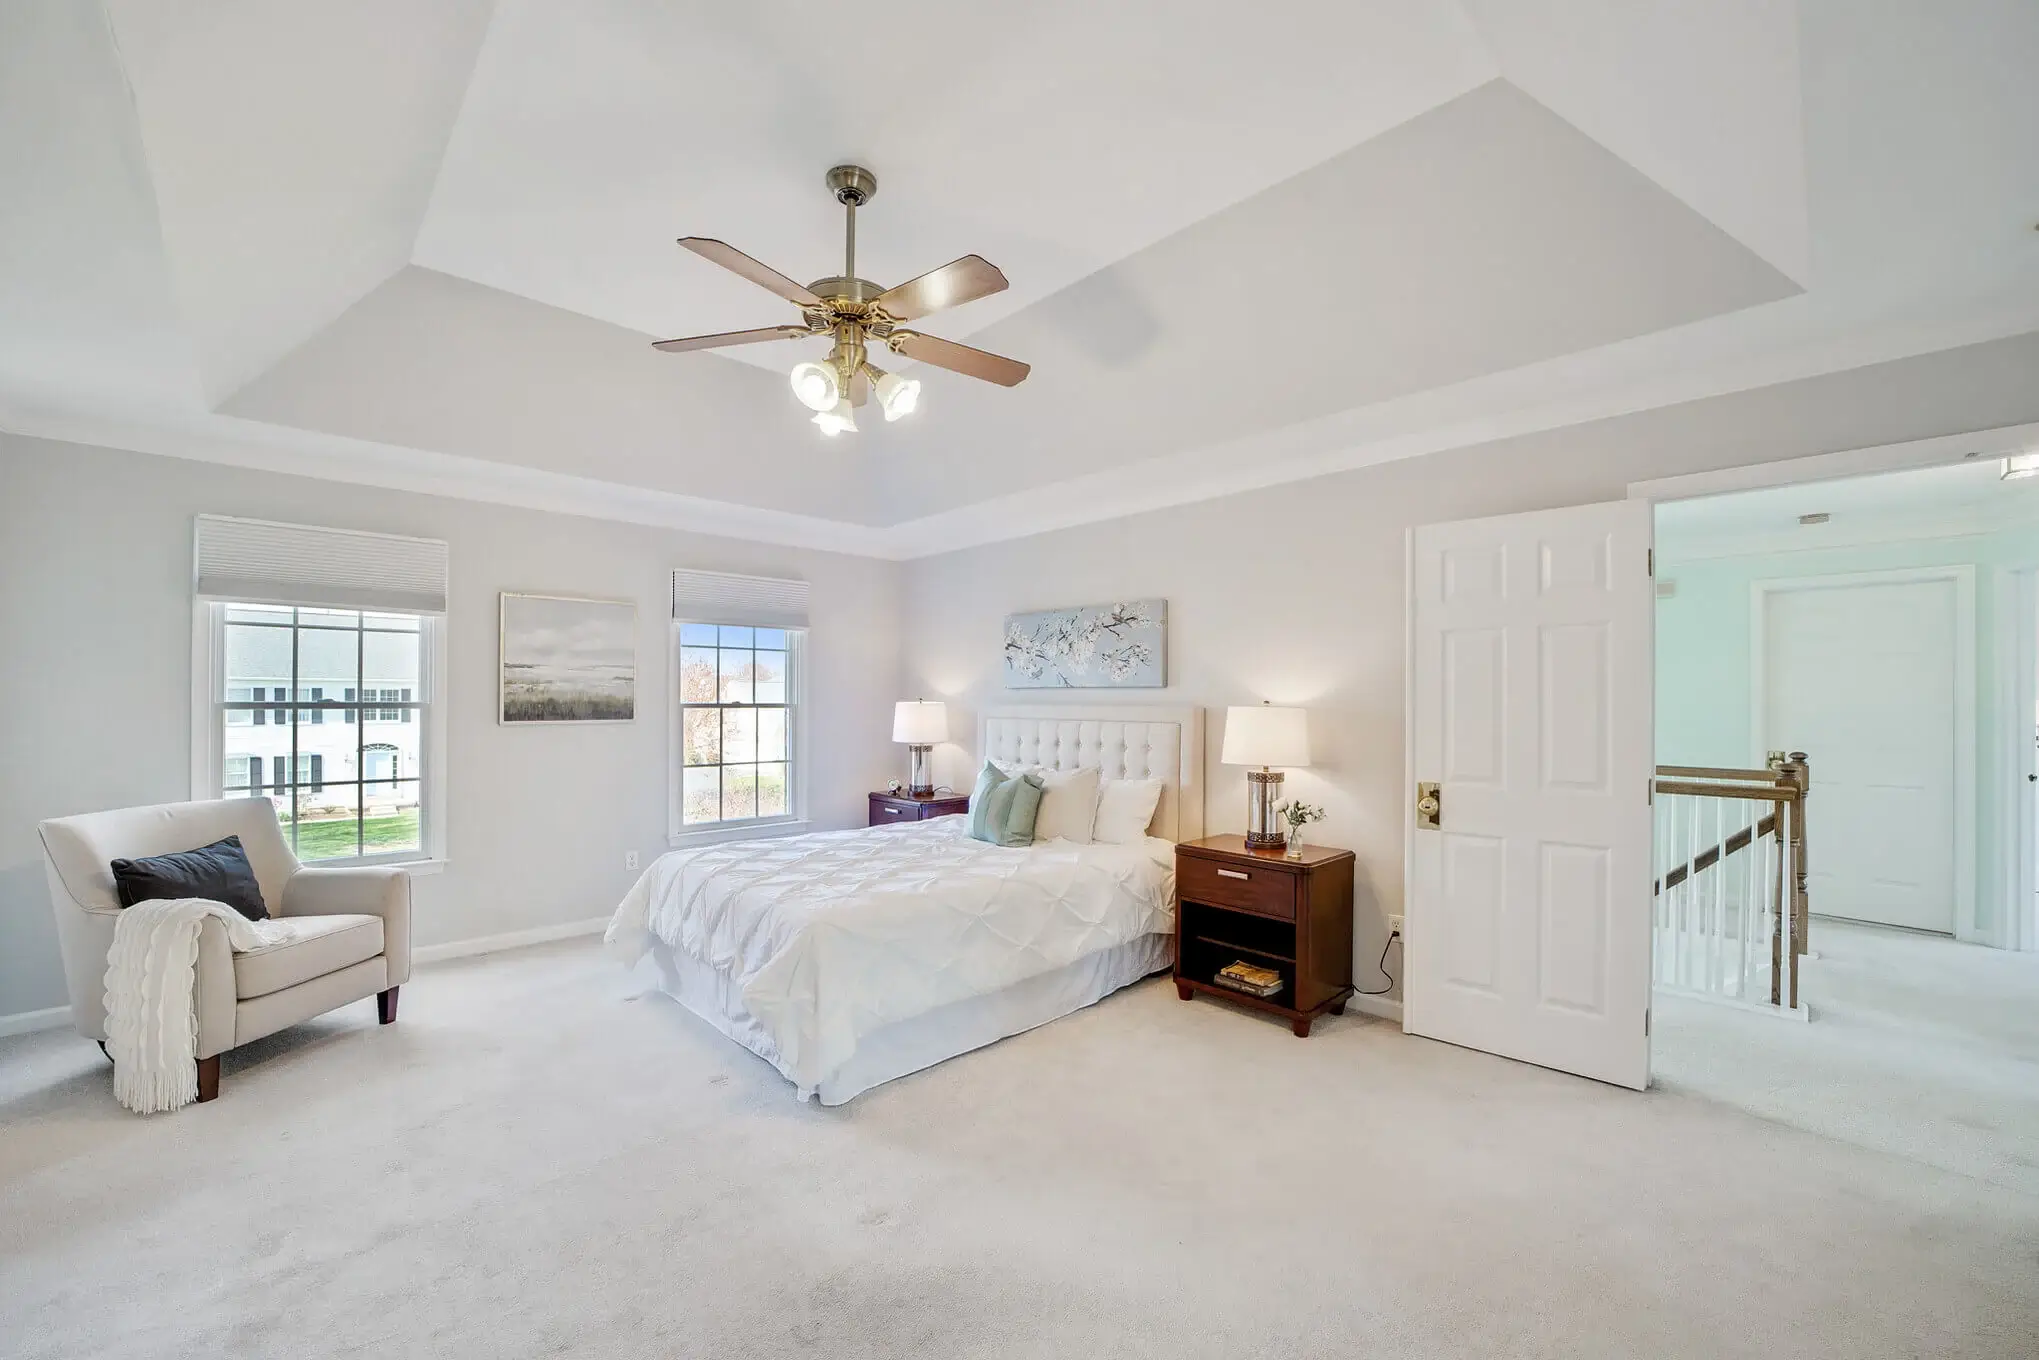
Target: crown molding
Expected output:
[1517,402]
[236,442]
[1422,424]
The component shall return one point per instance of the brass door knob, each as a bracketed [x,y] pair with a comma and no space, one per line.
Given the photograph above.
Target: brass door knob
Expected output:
[1429,803]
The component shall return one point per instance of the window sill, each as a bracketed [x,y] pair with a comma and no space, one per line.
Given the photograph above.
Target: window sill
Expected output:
[792,826]
[417,868]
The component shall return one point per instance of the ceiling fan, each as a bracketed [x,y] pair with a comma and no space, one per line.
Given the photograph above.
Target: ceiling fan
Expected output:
[855,310]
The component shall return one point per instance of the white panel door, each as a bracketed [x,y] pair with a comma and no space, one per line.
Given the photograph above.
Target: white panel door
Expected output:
[1864,676]
[1527,927]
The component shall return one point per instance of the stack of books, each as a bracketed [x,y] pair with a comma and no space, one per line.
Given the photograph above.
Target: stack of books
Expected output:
[1249,978]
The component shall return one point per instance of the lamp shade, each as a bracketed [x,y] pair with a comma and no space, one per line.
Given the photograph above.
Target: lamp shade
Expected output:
[1261,734]
[920,722]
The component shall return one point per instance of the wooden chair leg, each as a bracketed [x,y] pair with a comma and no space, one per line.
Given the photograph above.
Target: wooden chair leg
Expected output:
[385,1006]
[208,1079]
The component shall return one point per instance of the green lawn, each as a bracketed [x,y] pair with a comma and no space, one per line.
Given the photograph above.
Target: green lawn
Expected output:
[335,839]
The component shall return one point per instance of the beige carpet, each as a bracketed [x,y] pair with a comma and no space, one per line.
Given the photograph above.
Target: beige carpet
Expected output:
[530,1164]
[1918,1046]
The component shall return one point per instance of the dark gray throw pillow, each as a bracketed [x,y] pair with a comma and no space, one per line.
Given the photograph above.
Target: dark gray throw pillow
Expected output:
[219,872]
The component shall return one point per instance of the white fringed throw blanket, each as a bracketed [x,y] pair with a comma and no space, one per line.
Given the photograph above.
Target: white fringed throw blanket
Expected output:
[152,996]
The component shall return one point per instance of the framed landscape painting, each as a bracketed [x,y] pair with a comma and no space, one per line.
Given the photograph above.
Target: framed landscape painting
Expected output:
[568,660]
[1097,646]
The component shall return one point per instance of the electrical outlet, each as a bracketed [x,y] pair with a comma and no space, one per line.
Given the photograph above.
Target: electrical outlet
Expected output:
[630,859]
[1394,925]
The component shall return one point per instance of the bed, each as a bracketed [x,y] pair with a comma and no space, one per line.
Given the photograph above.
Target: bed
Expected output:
[848,958]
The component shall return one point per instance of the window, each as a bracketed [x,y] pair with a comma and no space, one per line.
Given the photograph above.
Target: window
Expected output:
[298,627]
[293,738]
[737,700]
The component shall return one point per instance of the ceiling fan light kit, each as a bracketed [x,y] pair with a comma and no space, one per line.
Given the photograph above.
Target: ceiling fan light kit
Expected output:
[853,311]
[837,419]
[817,386]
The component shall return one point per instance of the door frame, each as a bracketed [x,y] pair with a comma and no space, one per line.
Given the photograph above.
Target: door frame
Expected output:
[2015,761]
[1963,577]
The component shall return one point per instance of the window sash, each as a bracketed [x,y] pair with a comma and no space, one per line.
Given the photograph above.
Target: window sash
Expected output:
[792,760]
[229,720]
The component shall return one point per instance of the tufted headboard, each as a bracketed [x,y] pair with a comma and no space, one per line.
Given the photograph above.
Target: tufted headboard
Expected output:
[1125,742]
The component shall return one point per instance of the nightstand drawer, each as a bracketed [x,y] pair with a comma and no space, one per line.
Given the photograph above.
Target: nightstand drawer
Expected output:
[1243,887]
[890,809]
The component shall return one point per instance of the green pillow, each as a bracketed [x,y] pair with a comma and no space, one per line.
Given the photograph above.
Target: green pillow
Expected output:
[1003,809]
[988,779]
[1023,806]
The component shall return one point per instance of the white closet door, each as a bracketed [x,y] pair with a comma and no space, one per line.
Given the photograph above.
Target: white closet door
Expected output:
[1865,677]
[1530,706]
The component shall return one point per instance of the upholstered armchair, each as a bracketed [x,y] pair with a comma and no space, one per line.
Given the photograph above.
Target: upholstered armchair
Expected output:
[350,935]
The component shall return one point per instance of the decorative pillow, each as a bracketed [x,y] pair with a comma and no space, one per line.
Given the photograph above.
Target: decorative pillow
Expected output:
[219,872]
[1005,815]
[988,780]
[1068,805]
[1022,810]
[1125,808]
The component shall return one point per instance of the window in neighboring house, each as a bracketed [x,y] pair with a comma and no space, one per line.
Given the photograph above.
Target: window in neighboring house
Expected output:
[739,701]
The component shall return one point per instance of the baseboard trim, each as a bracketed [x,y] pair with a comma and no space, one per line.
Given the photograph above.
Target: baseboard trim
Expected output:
[1378,1006]
[515,939]
[28,1022]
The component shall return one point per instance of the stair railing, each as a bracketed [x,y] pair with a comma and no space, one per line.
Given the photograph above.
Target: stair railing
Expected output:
[1731,908]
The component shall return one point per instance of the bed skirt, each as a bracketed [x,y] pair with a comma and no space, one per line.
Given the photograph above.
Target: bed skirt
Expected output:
[925,1040]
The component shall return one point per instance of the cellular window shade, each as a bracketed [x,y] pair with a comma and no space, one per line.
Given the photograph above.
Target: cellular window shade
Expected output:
[722,597]
[259,562]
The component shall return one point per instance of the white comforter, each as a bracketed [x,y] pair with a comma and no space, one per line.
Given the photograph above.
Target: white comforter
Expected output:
[833,936]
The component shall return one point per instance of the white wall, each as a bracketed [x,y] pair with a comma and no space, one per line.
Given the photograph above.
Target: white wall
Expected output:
[1295,593]
[95,648]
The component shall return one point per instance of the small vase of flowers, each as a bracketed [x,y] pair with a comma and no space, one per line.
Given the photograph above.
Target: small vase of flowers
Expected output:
[1298,815]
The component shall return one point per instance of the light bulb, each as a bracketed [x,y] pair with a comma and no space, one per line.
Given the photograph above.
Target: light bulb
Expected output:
[816,385]
[897,396]
[836,419]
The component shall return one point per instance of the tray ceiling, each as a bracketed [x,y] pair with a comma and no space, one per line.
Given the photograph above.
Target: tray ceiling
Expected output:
[448,228]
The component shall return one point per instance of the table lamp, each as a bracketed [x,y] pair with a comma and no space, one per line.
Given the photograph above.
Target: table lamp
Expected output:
[920,723]
[1266,736]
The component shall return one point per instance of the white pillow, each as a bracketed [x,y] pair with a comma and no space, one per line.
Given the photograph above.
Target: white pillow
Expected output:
[1125,807]
[1068,805]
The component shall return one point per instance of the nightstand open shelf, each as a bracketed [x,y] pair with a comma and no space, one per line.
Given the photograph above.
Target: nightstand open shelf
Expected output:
[1258,907]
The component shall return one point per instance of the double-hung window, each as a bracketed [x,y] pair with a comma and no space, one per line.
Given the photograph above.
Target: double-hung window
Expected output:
[281,658]
[737,643]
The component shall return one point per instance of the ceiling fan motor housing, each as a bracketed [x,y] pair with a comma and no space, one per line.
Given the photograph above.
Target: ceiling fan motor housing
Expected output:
[852,185]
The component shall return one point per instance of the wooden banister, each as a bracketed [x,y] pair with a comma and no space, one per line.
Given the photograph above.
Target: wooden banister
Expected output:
[1784,782]
[1706,859]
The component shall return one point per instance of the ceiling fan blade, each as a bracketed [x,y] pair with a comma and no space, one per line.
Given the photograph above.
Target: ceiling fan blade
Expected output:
[731,338]
[972,363]
[955,283]
[734,260]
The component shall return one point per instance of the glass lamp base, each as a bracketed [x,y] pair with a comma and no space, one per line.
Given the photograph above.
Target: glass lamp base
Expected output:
[1263,824]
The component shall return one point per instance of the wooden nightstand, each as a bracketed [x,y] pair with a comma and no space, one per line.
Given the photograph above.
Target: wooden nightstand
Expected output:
[887,808]
[1291,915]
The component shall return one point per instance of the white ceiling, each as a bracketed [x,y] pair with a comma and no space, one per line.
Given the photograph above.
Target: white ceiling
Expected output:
[1968,497]
[1307,234]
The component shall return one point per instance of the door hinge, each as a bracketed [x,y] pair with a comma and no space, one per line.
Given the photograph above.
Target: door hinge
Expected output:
[1652,561]
[1646,1022]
